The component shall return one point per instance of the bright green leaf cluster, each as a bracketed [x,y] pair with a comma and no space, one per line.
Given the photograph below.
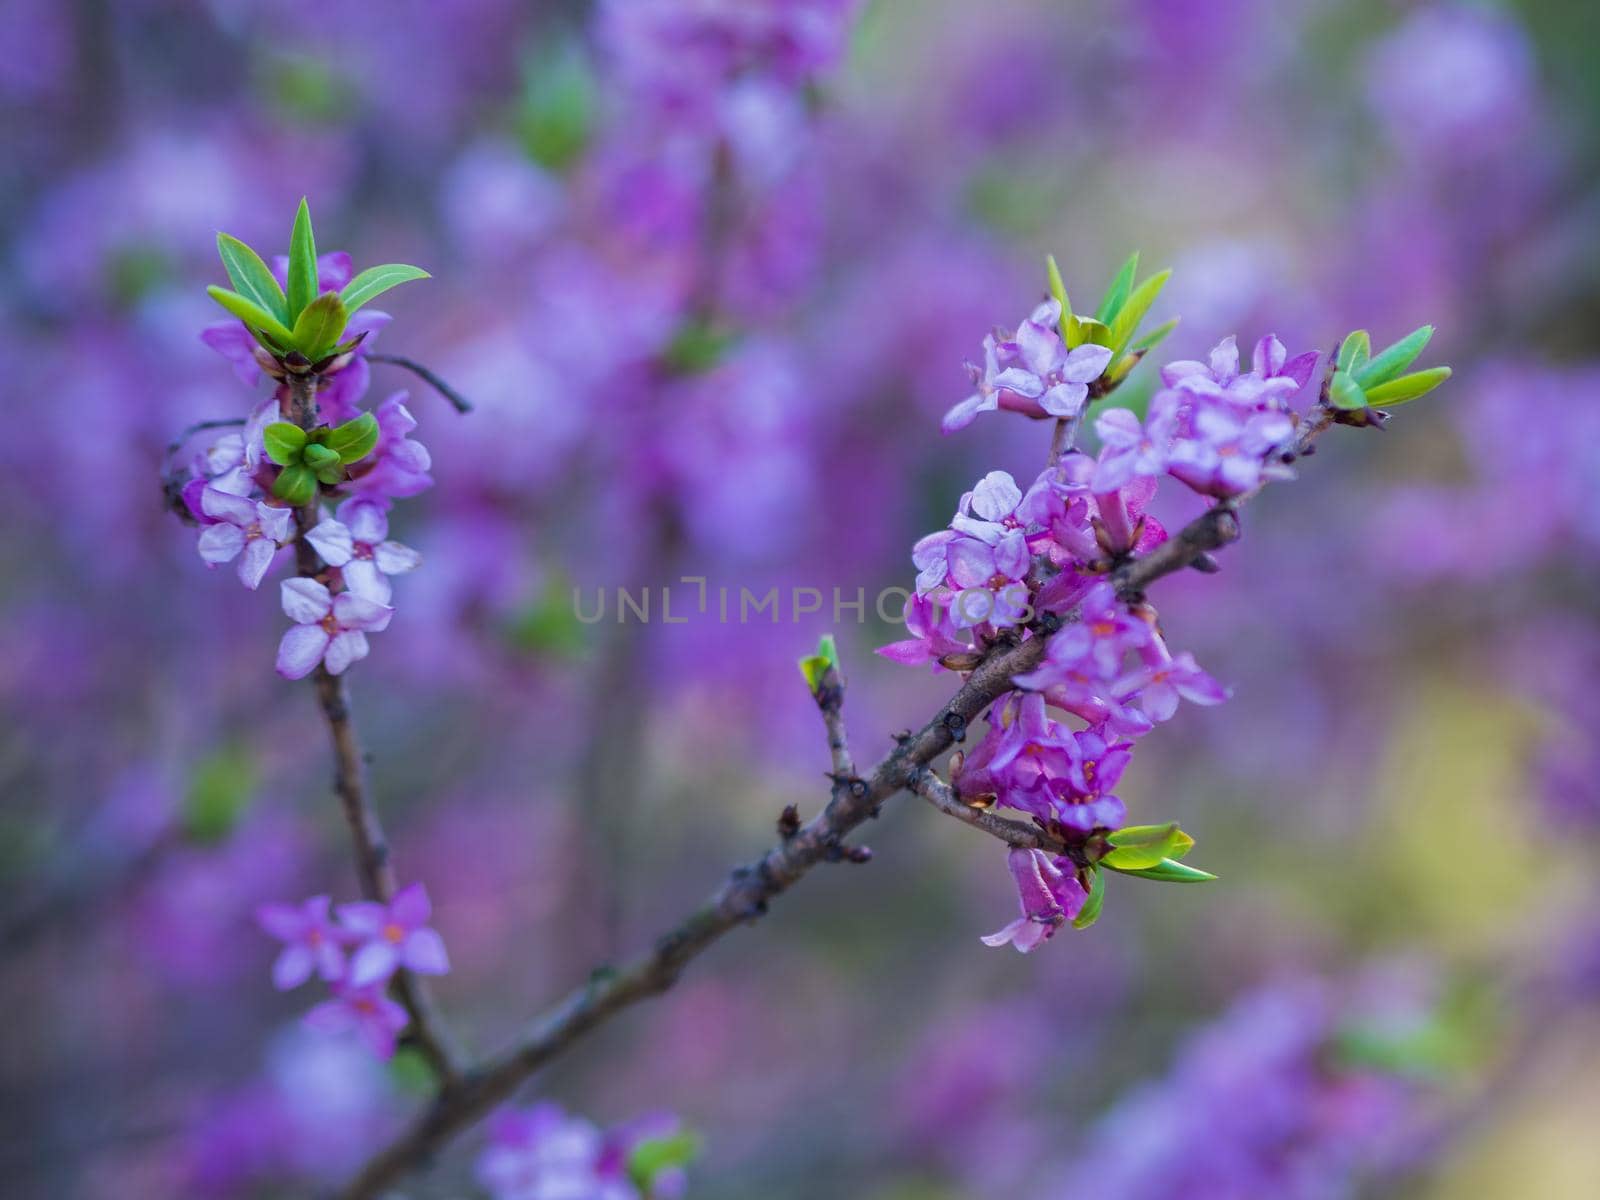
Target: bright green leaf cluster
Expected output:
[1115,322]
[310,457]
[815,666]
[1147,851]
[298,320]
[1363,380]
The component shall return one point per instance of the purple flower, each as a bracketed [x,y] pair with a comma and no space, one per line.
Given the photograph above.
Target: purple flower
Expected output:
[933,634]
[366,1011]
[543,1154]
[1165,679]
[393,936]
[244,529]
[1273,379]
[1104,634]
[1131,448]
[1082,798]
[1031,372]
[328,629]
[1228,450]
[1058,506]
[312,942]
[1049,898]
[357,544]
[397,467]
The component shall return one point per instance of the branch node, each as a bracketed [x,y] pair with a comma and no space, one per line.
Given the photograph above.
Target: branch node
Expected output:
[788,822]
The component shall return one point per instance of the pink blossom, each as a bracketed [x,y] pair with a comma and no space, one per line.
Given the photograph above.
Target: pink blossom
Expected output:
[312,942]
[244,529]
[393,935]
[366,1011]
[328,629]
[357,543]
[1049,897]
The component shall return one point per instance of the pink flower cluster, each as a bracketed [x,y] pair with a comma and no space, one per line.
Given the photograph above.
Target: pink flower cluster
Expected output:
[356,951]
[229,495]
[545,1153]
[1035,560]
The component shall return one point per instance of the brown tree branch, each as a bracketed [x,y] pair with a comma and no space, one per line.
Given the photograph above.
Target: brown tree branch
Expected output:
[350,780]
[745,894]
[1018,834]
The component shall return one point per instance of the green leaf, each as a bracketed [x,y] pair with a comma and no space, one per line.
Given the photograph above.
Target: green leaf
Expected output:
[1087,329]
[219,794]
[1345,392]
[295,485]
[284,442]
[355,439]
[252,314]
[1395,359]
[251,277]
[1090,913]
[1058,290]
[375,281]
[1117,294]
[302,263]
[317,456]
[652,1156]
[1353,351]
[697,347]
[1139,847]
[1155,337]
[1134,310]
[320,324]
[1167,871]
[1408,387]
[815,666]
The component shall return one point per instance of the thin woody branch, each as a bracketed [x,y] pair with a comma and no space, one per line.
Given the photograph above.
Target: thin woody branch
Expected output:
[350,783]
[747,891]
[1018,834]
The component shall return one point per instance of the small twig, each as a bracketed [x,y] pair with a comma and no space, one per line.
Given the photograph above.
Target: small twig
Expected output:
[377,877]
[1013,833]
[457,401]
[746,892]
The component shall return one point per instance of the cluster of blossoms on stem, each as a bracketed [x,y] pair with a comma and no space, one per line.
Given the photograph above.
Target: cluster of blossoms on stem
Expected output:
[303,324]
[356,949]
[1038,560]
[544,1153]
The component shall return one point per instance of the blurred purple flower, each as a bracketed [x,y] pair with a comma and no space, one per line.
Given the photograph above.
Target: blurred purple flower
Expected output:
[393,936]
[312,942]
[366,1011]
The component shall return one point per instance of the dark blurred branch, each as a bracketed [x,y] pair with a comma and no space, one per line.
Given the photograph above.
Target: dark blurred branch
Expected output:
[457,401]
[745,894]
[350,781]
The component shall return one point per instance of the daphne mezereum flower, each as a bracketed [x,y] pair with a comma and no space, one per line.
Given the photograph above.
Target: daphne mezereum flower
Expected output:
[393,935]
[328,629]
[357,543]
[1131,448]
[1050,897]
[542,1153]
[933,634]
[1230,451]
[1163,678]
[312,942]
[397,467]
[1083,799]
[1273,378]
[1030,372]
[244,529]
[366,1011]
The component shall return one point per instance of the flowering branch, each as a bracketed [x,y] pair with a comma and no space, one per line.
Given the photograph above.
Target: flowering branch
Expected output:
[746,892]
[377,877]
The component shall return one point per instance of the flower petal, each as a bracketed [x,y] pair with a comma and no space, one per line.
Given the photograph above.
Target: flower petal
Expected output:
[305,601]
[301,650]
[333,542]
[346,648]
